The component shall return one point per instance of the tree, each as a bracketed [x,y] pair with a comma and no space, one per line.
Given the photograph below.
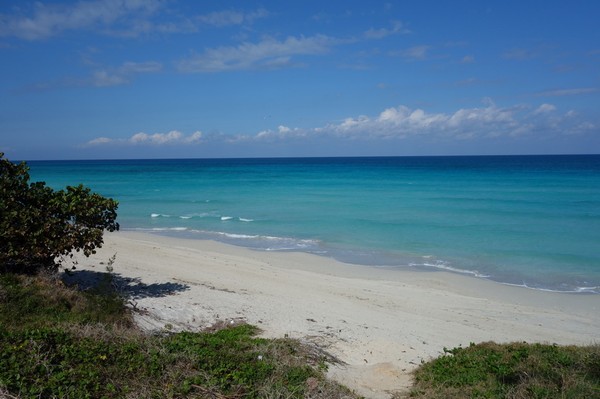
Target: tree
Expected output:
[39,226]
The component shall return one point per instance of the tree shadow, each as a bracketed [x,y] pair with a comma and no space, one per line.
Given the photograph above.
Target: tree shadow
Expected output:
[129,287]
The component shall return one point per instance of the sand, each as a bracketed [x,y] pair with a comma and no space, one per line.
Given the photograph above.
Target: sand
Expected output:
[380,323]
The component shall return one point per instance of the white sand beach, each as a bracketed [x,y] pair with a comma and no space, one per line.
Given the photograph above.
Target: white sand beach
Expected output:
[380,323]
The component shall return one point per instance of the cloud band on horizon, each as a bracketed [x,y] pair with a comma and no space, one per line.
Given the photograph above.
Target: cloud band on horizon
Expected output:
[489,121]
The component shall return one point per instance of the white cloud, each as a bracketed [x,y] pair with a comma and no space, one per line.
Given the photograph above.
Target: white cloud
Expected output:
[124,18]
[104,79]
[231,17]
[50,20]
[571,114]
[398,123]
[403,122]
[269,53]
[519,54]
[102,76]
[282,133]
[353,123]
[413,53]
[123,74]
[194,138]
[174,137]
[283,129]
[476,116]
[467,59]
[569,92]
[397,28]
[100,140]
[465,123]
[140,67]
[544,108]
[582,128]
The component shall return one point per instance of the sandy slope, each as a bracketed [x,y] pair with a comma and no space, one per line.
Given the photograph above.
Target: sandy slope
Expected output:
[381,323]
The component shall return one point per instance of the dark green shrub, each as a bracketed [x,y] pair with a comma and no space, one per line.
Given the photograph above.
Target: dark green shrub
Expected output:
[39,225]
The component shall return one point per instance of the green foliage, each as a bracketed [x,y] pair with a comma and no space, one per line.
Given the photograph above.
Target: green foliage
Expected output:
[56,363]
[51,362]
[36,302]
[39,225]
[517,370]
[228,359]
[69,344]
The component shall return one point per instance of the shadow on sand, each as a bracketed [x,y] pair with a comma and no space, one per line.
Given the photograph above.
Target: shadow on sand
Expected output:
[130,287]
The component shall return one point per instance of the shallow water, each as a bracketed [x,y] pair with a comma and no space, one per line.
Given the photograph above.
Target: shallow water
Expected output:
[524,220]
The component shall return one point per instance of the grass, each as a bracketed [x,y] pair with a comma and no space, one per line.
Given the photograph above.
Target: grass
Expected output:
[57,342]
[516,370]
[43,301]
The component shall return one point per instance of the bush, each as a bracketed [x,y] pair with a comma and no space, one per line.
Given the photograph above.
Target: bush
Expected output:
[40,226]
[514,370]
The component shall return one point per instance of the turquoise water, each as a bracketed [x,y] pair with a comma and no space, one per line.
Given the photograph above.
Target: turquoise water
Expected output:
[524,220]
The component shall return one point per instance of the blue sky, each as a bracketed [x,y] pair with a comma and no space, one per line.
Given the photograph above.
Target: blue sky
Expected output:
[167,79]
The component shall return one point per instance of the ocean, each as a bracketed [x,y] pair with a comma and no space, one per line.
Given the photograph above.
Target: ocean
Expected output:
[530,221]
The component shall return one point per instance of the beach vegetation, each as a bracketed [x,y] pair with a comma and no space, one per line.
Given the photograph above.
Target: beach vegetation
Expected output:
[57,341]
[41,227]
[515,370]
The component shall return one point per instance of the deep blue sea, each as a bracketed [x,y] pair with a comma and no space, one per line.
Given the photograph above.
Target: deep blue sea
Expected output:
[523,220]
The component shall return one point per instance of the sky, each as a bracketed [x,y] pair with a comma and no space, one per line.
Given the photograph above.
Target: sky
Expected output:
[104,79]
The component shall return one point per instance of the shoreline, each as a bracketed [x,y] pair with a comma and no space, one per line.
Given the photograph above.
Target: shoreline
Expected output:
[381,323]
[381,260]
